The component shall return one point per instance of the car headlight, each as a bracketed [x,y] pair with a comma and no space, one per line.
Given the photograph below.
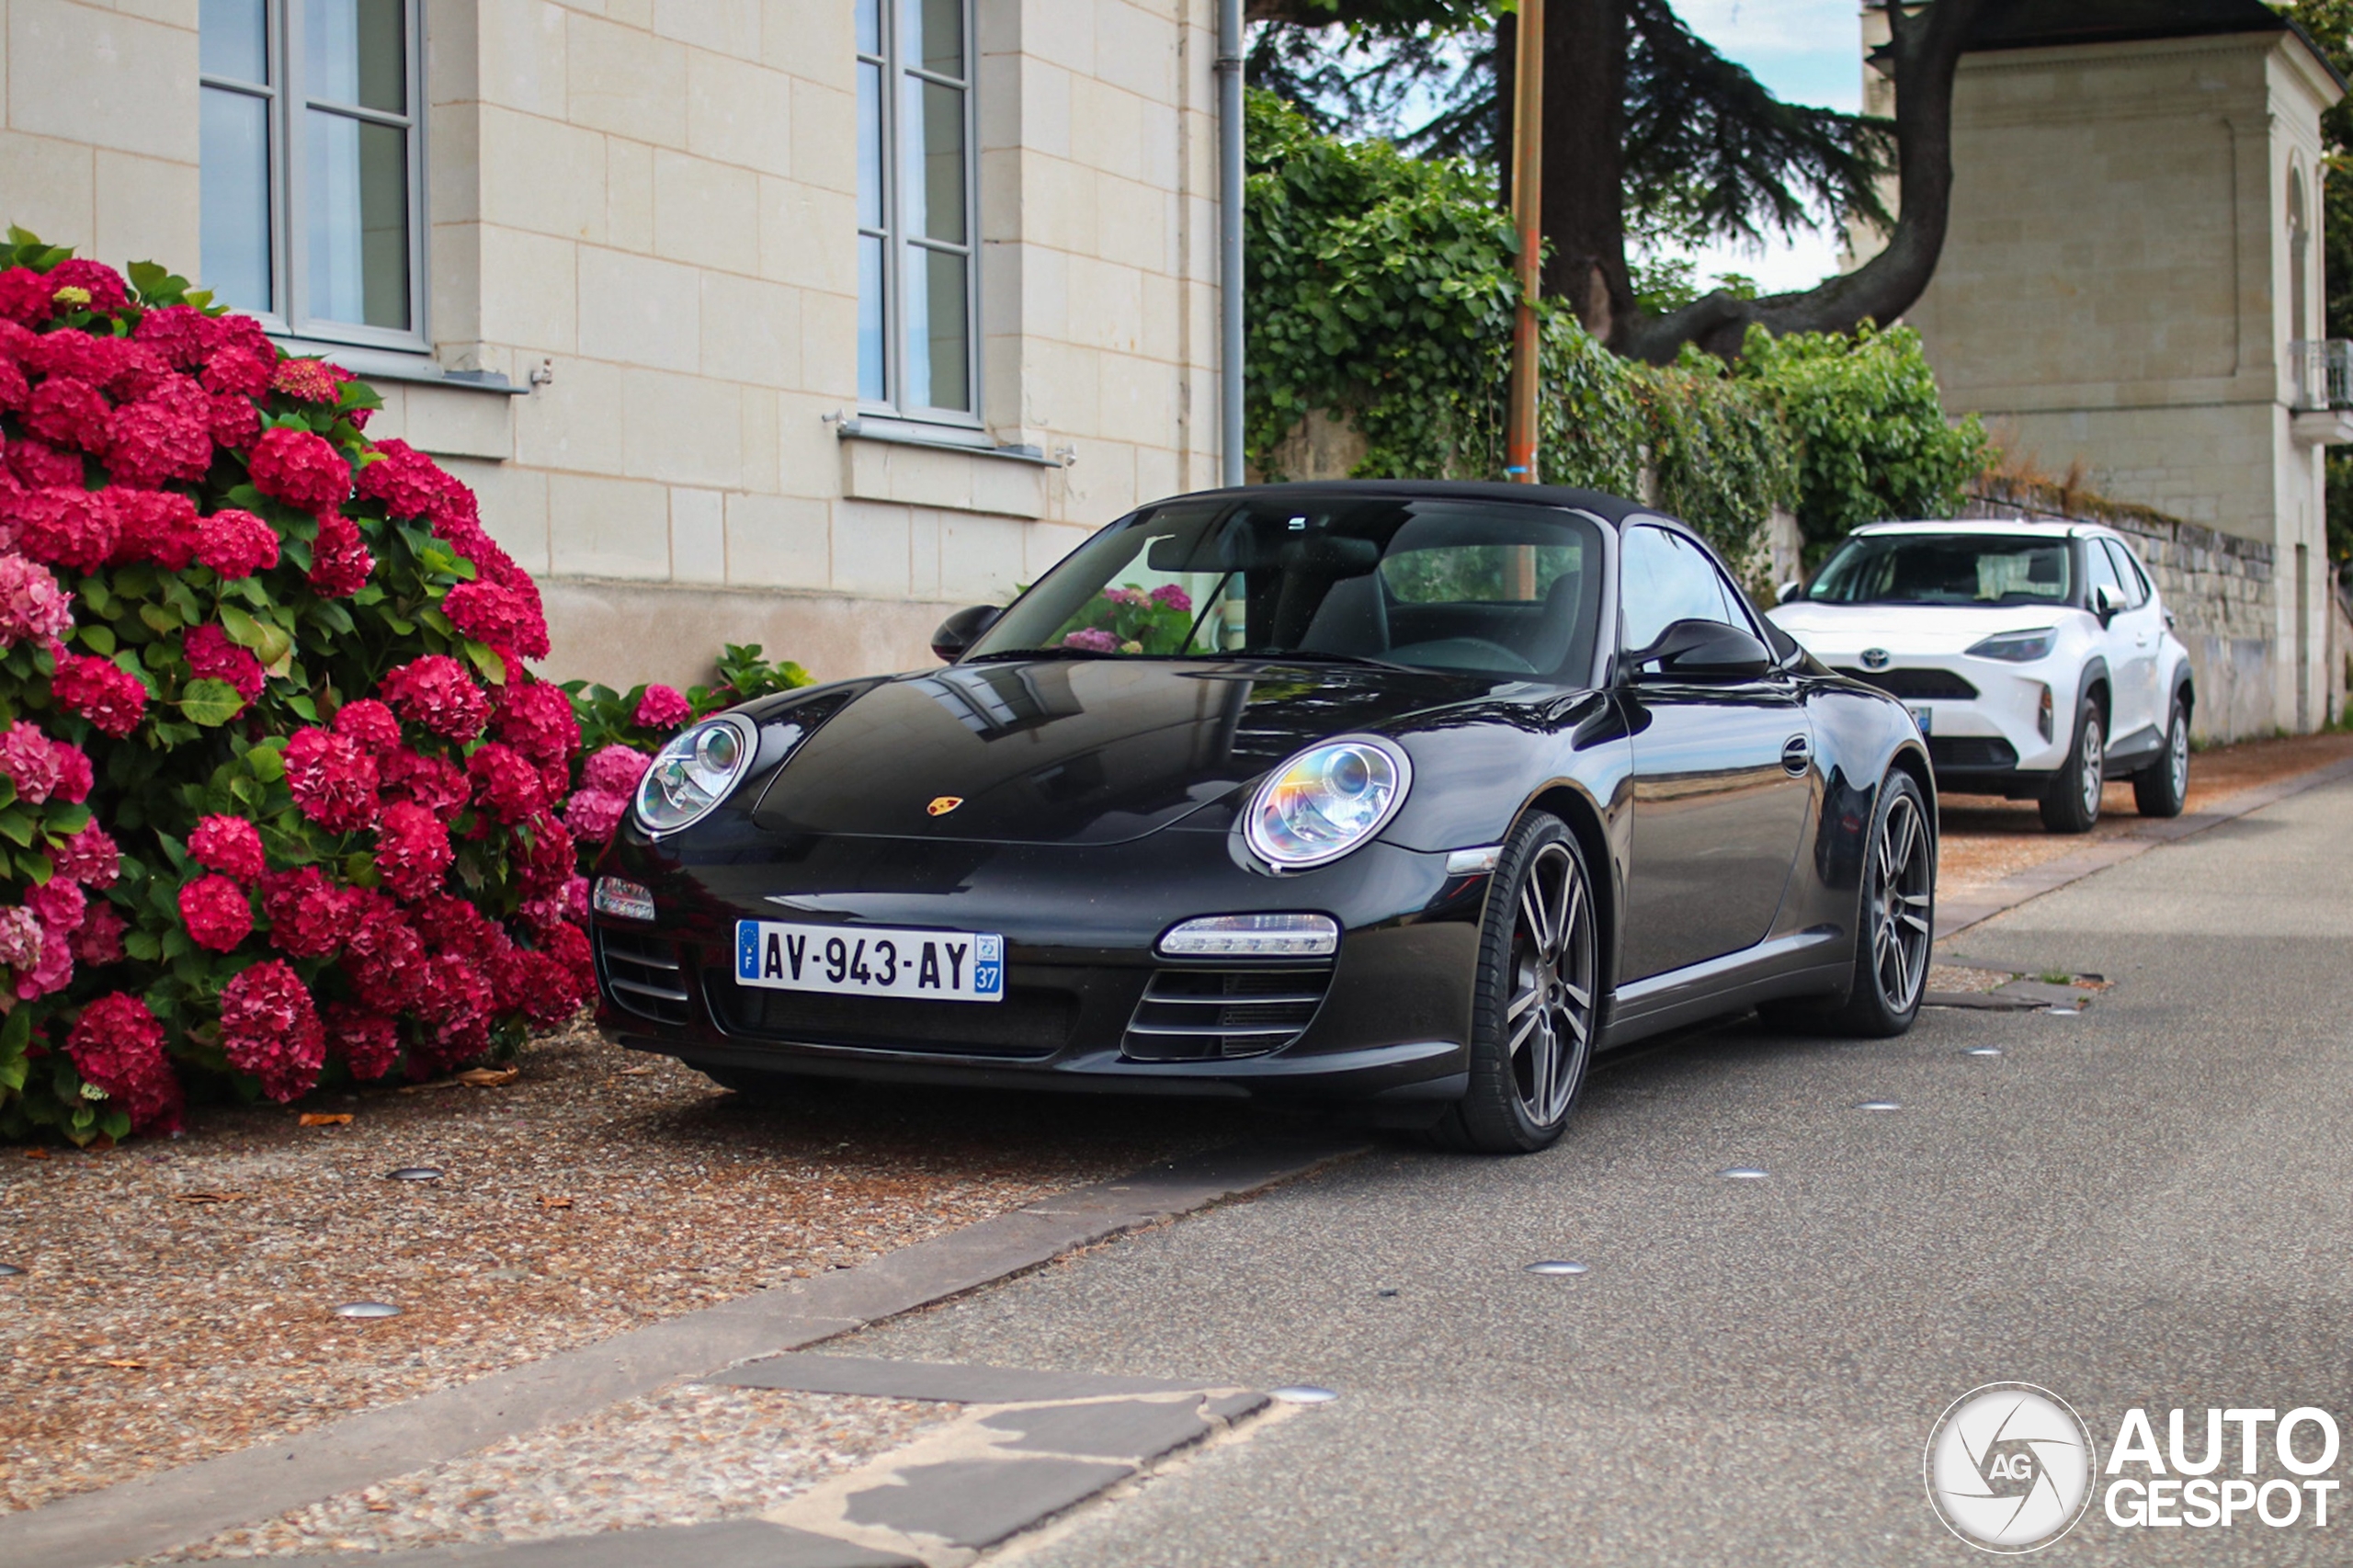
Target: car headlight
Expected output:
[1327,801]
[693,773]
[2016,647]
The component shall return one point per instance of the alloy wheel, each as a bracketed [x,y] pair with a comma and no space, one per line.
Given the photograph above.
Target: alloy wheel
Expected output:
[2094,776]
[1549,1021]
[1903,874]
[2178,755]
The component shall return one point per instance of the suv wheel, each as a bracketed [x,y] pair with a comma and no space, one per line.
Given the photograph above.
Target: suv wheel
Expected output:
[2162,789]
[2071,801]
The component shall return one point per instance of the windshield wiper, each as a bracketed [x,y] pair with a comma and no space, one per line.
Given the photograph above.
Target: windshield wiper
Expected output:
[1367,660]
[1046,654]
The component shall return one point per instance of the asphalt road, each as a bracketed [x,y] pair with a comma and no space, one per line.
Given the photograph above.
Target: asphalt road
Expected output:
[2147,1204]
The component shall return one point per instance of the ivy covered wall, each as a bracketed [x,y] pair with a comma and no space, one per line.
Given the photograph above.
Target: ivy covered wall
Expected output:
[1381,293]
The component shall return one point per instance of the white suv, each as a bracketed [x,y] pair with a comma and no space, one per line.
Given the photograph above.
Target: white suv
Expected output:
[2036,657]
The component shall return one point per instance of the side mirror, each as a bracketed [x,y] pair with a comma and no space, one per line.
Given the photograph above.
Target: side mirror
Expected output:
[1704,650]
[2106,602]
[1789,590]
[960,631]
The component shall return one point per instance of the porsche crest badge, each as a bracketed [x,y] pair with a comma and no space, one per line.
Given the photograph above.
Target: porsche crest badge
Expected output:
[944,804]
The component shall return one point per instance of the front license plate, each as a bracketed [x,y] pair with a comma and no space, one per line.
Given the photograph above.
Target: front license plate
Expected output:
[938,966]
[1925,718]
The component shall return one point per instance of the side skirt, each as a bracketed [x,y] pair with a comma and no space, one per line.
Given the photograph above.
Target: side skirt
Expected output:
[1816,961]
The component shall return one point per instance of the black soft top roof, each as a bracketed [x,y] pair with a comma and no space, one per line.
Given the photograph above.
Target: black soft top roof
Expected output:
[1611,509]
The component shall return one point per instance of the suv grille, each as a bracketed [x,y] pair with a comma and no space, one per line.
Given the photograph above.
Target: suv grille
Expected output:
[642,975]
[1191,1014]
[1926,685]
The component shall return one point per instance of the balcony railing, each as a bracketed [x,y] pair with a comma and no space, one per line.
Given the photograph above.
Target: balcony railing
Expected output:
[2323,371]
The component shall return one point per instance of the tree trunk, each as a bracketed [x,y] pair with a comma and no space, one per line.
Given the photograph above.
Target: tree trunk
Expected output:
[1585,136]
[1925,52]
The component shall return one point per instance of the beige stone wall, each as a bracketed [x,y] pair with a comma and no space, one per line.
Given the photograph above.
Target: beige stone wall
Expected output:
[651,203]
[2114,291]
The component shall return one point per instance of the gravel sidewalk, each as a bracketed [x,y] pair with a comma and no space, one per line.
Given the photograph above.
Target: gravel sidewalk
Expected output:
[1987,838]
[177,1299]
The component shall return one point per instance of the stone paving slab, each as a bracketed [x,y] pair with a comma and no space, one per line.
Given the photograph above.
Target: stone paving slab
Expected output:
[731,1543]
[977,1503]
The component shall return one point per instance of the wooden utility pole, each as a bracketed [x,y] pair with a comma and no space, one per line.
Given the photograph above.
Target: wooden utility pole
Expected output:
[1527,217]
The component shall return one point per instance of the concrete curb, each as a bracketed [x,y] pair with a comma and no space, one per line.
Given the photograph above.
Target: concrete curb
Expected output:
[1958,915]
[155,1513]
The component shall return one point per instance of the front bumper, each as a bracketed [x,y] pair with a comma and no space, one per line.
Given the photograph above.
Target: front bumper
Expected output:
[1088,1004]
[1990,726]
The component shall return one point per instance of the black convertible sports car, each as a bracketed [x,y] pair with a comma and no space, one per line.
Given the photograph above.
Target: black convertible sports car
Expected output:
[1413,794]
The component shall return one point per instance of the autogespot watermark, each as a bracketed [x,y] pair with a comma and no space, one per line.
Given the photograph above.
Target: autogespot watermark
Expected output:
[2011,1467]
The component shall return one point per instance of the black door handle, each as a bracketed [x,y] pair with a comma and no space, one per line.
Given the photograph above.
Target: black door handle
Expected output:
[1797,755]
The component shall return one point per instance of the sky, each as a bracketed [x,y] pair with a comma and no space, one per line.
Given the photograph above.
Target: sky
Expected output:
[1806,51]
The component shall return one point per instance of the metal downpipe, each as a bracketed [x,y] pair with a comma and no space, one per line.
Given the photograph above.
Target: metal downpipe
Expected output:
[1229,239]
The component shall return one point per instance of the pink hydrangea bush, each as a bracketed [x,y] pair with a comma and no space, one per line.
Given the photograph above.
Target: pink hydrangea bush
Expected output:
[279,799]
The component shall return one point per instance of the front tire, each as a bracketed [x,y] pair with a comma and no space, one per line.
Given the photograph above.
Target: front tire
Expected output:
[1536,1006]
[1895,921]
[2162,789]
[2071,801]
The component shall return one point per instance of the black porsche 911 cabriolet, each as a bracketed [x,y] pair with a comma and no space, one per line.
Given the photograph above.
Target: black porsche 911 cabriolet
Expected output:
[1413,794]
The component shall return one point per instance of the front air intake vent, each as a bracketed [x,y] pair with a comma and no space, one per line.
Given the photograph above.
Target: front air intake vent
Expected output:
[1919,686]
[642,975]
[1190,1015]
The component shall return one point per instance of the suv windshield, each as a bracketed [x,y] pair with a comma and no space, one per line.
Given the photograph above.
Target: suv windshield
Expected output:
[1946,569]
[1446,584]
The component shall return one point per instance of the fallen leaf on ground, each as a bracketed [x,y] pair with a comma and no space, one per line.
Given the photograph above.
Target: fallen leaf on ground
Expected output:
[489,1077]
[327,1119]
[380,1507]
[548,1202]
[125,1366]
[435,1083]
[205,1197]
[636,1072]
[35,1154]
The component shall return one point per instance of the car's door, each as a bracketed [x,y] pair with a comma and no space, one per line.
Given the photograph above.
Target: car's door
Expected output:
[2136,636]
[1721,770]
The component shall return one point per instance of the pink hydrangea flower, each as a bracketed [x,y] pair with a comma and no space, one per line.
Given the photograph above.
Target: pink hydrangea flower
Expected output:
[503,783]
[369,725]
[89,857]
[333,782]
[236,544]
[152,525]
[440,786]
[1133,597]
[412,850]
[211,656]
[109,696]
[231,845]
[33,609]
[536,719]
[270,1027]
[165,435]
[435,692]
[661,707]
[97,942]
[339,558]
[216,912]
[309,915]
[118,1046]
[615,769]
[29,760]
[370,1043]
[594,813]
[299,468]
[66,412]
[1170,596]
[20,938]
[66,524]
[1092,640]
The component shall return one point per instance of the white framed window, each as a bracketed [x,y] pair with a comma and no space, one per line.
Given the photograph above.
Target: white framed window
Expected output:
[311,154]
[917,251]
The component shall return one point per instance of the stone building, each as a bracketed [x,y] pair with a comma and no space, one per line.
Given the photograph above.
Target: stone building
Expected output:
[2132,284]
[795,321]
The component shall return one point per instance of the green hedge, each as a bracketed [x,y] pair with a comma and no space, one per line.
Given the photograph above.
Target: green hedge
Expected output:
[1381,290]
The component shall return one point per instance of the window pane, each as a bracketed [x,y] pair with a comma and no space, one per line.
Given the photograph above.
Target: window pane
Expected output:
[937,356]
[1666,579]
[869,27]
[931,134]
[233,39]
[931,36]
[870,148]
[234,198]
[358,221]
[357,52]
[873,384]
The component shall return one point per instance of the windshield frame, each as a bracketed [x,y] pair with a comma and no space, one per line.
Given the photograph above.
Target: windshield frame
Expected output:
[2070,544]
[1580,667]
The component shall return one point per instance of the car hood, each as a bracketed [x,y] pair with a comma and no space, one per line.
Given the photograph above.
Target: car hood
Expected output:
[1063,751]
[1836,634]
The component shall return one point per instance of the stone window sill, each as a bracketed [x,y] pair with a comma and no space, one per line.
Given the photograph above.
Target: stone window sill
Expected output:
[941,437]
[419,370]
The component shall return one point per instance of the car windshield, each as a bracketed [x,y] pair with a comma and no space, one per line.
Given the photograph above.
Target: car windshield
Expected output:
[1436,583]
[1946,569]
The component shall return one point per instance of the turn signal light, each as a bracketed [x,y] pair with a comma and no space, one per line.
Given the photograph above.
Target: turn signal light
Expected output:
[1253,937]
[623,900]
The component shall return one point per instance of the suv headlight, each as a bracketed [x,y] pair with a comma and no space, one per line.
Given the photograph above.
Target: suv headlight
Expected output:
[693,773]
[2016,647]
[1327,801]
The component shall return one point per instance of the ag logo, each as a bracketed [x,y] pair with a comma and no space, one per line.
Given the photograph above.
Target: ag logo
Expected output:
[1875,658]
[2009,1467]
[943,805]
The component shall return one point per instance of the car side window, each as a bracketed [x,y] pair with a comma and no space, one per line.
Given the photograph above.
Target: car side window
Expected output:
[1663,579]
[2136,585]
[2101,573]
